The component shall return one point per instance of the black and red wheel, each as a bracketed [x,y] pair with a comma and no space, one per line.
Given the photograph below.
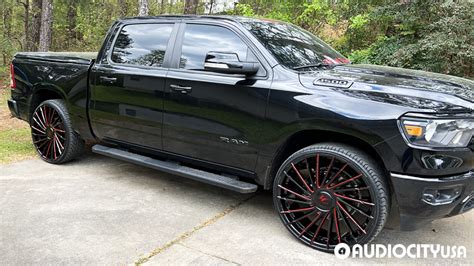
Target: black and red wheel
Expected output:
[328,194]
[51,130]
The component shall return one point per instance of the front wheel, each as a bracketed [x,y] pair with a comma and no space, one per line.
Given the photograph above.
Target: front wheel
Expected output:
[52,133]
[328,194]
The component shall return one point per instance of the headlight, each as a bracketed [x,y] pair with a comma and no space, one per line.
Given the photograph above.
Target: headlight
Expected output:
[438,132]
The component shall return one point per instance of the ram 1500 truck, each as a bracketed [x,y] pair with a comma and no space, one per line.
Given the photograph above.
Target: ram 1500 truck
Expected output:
[241,103]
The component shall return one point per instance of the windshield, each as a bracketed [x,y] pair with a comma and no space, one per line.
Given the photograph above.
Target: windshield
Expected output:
[294,47]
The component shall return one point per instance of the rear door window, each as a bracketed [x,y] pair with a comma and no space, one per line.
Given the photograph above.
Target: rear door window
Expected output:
[142,44]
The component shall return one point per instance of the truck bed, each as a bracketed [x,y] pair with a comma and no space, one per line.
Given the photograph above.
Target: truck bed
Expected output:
[62,75]
[72,57]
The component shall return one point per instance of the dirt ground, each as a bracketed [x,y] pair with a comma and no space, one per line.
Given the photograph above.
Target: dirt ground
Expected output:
[7,122]
[15,138]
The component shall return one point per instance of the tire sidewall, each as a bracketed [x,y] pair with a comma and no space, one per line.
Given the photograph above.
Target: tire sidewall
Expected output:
[367,177]
[58,106]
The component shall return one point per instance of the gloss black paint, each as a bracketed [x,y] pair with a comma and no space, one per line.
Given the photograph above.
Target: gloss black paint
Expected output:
[140,111]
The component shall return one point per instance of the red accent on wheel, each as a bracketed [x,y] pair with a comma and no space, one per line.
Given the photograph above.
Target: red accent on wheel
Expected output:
[325,201]
[49,136]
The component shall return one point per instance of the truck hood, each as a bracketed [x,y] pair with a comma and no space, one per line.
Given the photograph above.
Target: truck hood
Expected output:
[408,88]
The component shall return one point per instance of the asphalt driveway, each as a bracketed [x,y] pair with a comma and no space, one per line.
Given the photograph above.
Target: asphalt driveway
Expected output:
[103,211]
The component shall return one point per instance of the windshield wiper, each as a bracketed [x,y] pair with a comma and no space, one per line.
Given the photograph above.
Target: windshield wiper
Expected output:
[319,65]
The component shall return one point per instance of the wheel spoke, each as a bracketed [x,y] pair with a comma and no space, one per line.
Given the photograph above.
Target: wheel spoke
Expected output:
[309,171]
[351,189]
[350,217]
[345,182]
[333,205]
[54,118]
[336,175]
[302,217]
[40,140]
[296,183]
[357,209]
[59,142]
[39,122]
[317,171]
[301,177]
[319,227]
[336,221]
[43,115]
[46,114]
[54,148]
[51,111]
[328,236]
[344,221]
[49,147]
[293,200]
[43,144]
[310,224]
[58,145]
[41,131]
[328,171]
[299,210]
[356,200]
[48,132]
[294,193]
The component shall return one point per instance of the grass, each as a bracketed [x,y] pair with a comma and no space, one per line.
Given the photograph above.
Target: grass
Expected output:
[15,144]
[15,138]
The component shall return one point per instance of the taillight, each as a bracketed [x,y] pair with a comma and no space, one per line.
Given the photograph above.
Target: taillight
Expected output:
[12,77]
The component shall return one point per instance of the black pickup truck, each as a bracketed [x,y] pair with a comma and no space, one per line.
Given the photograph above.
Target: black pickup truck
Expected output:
[241,103]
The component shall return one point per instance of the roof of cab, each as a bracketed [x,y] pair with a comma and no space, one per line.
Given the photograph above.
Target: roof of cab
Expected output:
[193,17]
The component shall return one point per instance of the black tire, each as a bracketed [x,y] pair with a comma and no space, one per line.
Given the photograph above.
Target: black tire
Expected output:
[54,139]
[331,193]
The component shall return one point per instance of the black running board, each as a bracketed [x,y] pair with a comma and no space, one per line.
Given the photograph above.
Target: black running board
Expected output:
[177,169]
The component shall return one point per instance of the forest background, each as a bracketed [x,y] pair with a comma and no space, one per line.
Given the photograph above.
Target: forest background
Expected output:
[429,35]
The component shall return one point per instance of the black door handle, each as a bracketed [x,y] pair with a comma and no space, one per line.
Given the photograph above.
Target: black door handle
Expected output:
[182,89]
[107,79]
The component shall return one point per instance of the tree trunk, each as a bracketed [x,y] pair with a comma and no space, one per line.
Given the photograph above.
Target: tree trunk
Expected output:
[211,5]
[34,29]
[123,8]
[71,22]
[190,6]
[45,28]
[26,20]
[162,7]
[142,7]
[6,17]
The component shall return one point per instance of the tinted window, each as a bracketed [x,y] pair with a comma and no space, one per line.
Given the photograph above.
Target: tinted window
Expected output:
[201,39]
[142,44]
[292,46]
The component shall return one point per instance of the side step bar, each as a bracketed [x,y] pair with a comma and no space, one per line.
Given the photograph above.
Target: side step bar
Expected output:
[177,169]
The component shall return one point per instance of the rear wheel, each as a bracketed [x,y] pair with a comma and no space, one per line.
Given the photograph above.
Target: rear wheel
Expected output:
[328,194]
[51,130]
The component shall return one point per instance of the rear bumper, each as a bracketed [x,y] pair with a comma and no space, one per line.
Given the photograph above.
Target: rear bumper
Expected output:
[422,200]
[13,106]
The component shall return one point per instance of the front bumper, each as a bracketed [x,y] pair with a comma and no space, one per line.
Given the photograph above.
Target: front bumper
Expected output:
[424,199]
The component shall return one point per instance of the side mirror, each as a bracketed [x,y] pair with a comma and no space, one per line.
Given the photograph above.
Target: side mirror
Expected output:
[229,63]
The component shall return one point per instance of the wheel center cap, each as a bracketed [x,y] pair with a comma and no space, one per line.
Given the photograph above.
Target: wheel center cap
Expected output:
[323,200]
[49,132]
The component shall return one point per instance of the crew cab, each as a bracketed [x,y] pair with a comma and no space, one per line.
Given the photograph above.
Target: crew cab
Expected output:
[243,103]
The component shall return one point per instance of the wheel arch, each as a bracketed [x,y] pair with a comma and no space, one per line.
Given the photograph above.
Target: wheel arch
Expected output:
[309,137]
[41,93]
